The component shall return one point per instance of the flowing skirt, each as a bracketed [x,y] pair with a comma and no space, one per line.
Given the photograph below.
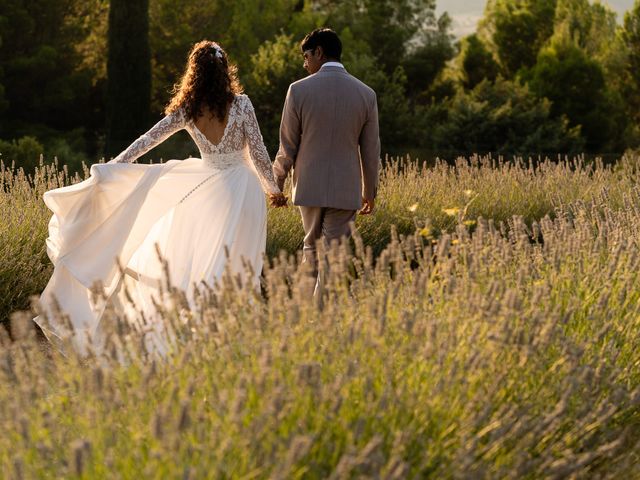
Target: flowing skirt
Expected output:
[125,217]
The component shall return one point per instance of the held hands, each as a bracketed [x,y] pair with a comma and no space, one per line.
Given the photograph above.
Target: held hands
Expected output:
[278,200]
[367,206]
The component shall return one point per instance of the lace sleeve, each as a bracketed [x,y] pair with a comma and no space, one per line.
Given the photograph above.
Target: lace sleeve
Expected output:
[259,154]
[156,135]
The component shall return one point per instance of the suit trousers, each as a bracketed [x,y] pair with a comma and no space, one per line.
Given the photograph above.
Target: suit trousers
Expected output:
[323,223]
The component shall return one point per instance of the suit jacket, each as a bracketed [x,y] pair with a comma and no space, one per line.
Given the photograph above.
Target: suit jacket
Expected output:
[329,135]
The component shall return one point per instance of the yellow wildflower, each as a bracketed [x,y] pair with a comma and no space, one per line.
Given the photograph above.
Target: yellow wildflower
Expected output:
[425,232]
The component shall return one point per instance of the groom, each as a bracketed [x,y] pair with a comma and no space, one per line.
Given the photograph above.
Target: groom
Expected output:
[329,137]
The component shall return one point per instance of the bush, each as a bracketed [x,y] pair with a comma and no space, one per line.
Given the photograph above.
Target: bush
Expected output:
[28,152]
[24,266]
[66,154]
[501,117]
[274,67]
[25,152]
[577,88]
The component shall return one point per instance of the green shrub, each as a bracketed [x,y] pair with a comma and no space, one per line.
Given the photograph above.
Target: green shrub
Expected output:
[25,152]
[24,266]
[69,148]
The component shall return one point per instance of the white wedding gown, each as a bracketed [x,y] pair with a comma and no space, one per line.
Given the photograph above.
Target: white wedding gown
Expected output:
[194,211]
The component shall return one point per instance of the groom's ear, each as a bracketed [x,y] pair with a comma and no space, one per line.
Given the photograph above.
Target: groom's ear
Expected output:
[320,51]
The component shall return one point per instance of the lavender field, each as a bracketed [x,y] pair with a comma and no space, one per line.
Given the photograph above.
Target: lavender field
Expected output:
[485,323]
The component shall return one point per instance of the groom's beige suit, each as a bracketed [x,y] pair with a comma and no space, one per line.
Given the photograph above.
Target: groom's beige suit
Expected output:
[329,136]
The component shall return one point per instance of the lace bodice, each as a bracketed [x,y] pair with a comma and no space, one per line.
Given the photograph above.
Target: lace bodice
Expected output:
[241,133]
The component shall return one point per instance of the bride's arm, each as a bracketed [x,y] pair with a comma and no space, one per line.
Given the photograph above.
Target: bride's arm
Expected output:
[259,154]
[157,134]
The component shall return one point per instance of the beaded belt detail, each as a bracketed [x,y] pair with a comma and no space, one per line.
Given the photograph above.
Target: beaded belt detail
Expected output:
[222,161]
[218,162]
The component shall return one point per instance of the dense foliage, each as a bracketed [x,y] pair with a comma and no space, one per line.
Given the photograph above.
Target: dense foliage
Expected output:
[570,58]
[47,88]
[128,73]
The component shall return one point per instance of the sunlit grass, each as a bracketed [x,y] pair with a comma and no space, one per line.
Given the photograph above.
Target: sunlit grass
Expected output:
[469,348]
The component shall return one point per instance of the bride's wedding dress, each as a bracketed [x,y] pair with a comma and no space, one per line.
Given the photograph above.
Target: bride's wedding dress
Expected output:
[202,215]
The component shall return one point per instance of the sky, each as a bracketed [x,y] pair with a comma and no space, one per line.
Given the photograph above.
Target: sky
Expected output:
[466,13]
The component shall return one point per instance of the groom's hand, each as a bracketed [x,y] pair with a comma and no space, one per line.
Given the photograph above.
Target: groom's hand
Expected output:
[367,206]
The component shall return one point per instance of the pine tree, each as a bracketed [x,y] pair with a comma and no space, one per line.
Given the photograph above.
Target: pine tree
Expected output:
[128,72]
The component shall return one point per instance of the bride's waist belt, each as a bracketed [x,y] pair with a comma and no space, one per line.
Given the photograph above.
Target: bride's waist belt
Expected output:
[223,161]
[218,163]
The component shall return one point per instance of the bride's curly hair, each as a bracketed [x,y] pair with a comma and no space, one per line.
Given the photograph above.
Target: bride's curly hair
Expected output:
[209,80]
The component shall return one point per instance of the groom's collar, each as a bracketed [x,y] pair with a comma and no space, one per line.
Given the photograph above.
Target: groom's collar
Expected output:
[332,64]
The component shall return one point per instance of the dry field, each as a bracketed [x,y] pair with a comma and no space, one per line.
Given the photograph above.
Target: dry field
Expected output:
[485,323]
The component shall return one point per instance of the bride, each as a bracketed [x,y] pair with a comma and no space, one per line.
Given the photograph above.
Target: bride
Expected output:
[201,215]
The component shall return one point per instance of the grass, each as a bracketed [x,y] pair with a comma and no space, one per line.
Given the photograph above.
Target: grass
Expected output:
[432,199]
[470,348]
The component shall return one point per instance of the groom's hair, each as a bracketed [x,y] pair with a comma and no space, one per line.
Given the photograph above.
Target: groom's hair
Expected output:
[325,38]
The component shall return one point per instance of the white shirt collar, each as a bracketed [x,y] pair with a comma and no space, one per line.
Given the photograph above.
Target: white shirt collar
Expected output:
[332,64]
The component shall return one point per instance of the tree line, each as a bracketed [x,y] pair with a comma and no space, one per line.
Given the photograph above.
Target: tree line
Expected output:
[81,78]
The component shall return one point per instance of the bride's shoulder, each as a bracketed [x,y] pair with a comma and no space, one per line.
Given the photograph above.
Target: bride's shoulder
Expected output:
[244,102]
[177,116]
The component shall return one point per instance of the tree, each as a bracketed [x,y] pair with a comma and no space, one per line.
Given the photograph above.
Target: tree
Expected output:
[396,117]
[274,67]
[631,40]
[503,117]
[576,86]
[425,60]
[240,26]
[518,29]
[589,26]
[47,91]
[42,79]
[477,62]
[390,30]
[3,102]
[128,73]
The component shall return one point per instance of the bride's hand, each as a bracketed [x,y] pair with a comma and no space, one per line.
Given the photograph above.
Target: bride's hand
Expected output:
[277,200]
[367,206]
